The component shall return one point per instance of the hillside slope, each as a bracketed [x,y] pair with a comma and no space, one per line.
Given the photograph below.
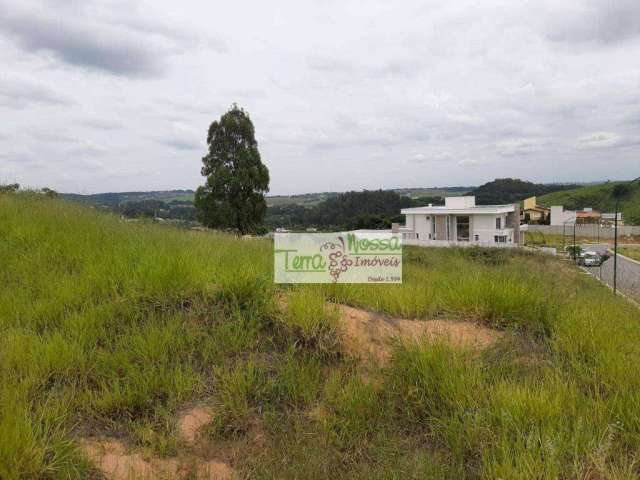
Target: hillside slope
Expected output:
[598,197]
[113,199]
[110,331]
[511,190]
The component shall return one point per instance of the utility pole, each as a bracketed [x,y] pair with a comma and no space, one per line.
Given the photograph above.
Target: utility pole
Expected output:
[615,249]
[575,257]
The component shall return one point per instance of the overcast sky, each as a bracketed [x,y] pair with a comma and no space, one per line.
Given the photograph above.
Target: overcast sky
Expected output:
[101,95]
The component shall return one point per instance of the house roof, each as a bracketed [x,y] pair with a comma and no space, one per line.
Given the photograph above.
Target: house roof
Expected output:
[443,210]
[588,214]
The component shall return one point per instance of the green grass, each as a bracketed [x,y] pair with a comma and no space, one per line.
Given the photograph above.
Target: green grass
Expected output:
[110,328]
[540,239]
[631,252]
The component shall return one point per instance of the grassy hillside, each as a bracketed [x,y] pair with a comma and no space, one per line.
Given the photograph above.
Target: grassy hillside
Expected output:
[113,199]
[109,329]
[598,197]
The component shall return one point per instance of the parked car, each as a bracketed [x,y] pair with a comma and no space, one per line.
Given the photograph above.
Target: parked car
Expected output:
[590,259]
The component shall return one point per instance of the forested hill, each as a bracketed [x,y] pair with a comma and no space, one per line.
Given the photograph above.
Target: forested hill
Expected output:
[367,209]
[511,190]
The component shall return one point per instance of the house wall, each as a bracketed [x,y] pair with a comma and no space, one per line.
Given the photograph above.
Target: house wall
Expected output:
[530,203]
[534,215]
[421,226]
[482,225]
[560,216]
[460,202]
[410,221]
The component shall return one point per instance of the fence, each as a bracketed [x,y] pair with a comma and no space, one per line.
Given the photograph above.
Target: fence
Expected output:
[447,243]
[593,231]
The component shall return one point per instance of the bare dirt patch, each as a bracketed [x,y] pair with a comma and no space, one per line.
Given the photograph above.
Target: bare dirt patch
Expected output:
[366,334]
[112,458]
[191,421]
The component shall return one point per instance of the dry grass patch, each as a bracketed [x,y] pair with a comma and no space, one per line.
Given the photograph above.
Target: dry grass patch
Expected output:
[112,458]
[370,335]
[191,421]
[366,334]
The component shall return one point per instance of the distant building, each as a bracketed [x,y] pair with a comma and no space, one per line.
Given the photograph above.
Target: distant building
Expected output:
[610,218]
[461,222]
[586,216]
[560,216]
[534,213]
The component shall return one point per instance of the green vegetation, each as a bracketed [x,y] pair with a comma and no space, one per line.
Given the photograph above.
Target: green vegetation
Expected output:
[113,199]
[351,210]
[631,252]
[311,199]
[294,211]
[109,328]
[236,179]
[600,197]
[512,190]
[9,188]
[540,239]
[176,209]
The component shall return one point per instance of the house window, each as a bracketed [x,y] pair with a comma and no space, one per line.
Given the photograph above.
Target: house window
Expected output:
[498,223]
[462,228]
[500,238]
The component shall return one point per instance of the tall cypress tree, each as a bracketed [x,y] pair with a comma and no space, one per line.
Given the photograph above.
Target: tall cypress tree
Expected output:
[236,178]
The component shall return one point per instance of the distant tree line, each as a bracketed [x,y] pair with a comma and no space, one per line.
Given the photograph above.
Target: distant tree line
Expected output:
[9,188]
[175,209]
[375,209]
[14,187]
[351,210]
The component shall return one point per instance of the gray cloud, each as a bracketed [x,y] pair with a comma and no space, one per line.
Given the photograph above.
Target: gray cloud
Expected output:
[91,35]
[101,124]
[78,45]
[18,93]
[603,21]
[180,143]
[599,140]
[330,64]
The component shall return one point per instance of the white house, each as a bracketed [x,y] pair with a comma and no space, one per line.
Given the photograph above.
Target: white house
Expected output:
[461,222]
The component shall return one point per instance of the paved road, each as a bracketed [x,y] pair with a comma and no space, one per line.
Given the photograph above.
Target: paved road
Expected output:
[628,275]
